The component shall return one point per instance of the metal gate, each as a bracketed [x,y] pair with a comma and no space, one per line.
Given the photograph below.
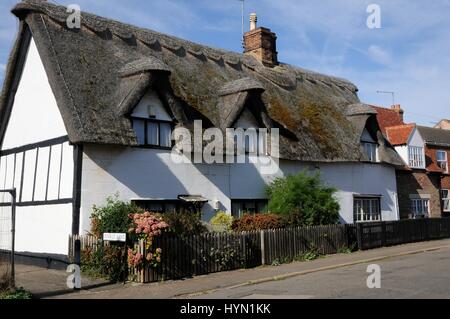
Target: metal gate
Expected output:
[7,238]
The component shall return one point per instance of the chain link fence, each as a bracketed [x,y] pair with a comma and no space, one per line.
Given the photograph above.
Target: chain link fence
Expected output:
[7,221]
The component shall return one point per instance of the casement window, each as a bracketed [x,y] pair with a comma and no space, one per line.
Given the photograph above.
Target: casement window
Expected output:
[441,157]
[446,200]
[416,157]
[152,132]
[240,207]
[255,142]
[371,150]
[158,206]
[367,209]
[420,208]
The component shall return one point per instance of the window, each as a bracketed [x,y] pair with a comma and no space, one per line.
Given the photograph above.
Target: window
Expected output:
[367,210]
[371,151]
[420,208]
[254,142]
[151,132]
[446,200]
[442,162]
[240,207]
[158,206]
[416,157]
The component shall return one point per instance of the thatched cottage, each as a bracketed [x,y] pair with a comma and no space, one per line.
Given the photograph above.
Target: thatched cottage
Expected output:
[87,113]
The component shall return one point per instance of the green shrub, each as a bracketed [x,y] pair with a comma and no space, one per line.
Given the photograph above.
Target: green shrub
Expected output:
[184,224]
[222,222]
[257,222]
[19,294]
[113,217]
[107,262]
[303,200]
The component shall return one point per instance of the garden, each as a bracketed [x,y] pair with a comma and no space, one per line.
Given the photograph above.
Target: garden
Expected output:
[173,245]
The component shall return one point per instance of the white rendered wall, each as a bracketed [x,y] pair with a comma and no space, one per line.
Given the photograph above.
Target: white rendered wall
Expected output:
[142,173]
[35,117]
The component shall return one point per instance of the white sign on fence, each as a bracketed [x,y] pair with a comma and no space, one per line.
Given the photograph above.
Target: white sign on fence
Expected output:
[117,237]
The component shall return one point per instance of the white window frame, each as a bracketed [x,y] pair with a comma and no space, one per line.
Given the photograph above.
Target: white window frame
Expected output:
[446,200]
[443,164]
[367,209]
[420,207]
[371,150]
[416,157]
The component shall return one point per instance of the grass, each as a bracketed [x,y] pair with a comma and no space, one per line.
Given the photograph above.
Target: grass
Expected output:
[18,294]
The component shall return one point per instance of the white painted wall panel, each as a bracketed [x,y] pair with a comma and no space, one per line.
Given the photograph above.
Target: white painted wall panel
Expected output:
[67,172]
[35,116]
[41,174]
[28,176]
[142,173]
[43,229]
[18,174]
[54,175]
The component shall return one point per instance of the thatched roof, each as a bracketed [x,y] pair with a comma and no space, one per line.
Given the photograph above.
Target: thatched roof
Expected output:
[99,73]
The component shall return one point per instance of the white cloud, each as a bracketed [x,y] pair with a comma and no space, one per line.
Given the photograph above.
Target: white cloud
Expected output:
[379,55]
[2,67]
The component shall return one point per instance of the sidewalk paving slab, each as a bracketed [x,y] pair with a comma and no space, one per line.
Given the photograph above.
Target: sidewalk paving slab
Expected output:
[52,283]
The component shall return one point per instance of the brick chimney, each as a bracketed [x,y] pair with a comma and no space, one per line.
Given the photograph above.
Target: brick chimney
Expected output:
[398,108]
[261,43]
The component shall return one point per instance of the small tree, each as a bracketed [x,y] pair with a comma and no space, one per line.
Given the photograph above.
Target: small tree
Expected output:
[303,200]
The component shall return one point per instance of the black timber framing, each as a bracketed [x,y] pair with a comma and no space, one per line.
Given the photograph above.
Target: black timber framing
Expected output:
[77,176]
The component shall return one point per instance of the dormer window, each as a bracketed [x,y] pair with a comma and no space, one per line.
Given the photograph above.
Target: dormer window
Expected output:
[416,157]
[370,146]
[151,123]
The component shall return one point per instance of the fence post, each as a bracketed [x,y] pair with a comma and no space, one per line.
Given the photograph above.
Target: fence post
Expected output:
[263,249]
[77,252]
[359,234]
[383,234]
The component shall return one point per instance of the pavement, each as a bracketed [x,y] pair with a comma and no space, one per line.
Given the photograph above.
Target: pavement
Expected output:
[335,276]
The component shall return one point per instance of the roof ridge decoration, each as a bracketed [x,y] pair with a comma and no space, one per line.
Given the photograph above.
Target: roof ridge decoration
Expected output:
[144,64]
[359,109]
[240,85]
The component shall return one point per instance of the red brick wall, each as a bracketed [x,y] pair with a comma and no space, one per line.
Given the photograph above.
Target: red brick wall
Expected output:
[431,158]
[415,183]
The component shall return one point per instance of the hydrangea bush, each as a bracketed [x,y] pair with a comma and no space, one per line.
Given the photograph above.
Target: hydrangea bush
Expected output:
[146,227]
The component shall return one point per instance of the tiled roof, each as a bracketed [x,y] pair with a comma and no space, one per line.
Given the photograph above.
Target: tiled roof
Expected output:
[387,117]
[399,135]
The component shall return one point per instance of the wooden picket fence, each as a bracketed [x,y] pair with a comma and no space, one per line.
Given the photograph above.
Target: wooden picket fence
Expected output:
[184,257]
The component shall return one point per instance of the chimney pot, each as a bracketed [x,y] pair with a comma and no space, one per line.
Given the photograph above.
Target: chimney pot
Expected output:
[398,108]
[253,21]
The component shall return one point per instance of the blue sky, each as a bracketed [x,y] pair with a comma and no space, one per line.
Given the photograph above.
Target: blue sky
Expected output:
[410,54]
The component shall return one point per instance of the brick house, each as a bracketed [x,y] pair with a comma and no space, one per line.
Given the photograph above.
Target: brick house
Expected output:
[424,182]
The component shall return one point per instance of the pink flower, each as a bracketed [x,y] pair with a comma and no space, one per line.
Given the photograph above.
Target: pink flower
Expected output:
[159,250]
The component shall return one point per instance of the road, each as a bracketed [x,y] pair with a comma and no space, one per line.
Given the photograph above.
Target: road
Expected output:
[425,275]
